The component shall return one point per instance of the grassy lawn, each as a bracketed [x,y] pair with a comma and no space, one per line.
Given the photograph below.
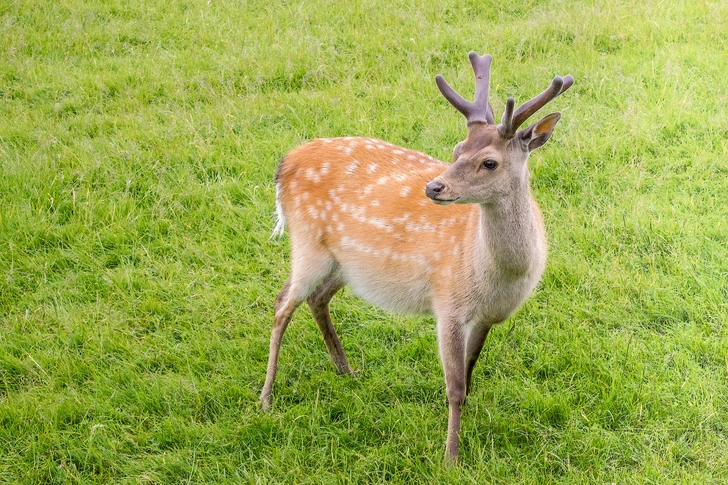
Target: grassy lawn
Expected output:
[138,145]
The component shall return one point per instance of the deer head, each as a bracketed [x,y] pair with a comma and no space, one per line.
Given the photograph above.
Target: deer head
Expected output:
[491,161]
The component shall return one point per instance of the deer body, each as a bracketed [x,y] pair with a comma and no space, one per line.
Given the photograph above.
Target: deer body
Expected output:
[360,212]
[363,201]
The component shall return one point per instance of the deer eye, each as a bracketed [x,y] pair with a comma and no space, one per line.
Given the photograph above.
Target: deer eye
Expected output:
[490,164]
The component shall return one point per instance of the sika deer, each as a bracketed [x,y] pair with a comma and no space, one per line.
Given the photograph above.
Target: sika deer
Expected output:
[360,212]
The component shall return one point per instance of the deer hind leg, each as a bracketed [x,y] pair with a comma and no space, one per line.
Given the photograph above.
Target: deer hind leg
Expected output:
[476,339]
[319,303]
[451,342]
[307,274]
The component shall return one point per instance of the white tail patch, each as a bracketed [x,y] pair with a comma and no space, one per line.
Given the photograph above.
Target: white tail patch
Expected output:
[280,226]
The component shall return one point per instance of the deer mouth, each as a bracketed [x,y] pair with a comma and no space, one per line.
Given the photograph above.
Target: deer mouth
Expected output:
[444,201]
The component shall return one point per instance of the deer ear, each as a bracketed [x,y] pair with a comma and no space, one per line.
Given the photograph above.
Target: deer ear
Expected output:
[457,151]
[539,132]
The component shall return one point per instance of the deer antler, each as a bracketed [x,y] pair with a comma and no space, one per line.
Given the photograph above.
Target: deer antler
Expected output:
[479,111]
[512,120]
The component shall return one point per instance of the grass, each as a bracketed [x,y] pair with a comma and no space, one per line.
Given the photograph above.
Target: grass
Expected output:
[138,144]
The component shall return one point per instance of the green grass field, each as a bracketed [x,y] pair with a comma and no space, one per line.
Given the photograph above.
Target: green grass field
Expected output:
[138,144]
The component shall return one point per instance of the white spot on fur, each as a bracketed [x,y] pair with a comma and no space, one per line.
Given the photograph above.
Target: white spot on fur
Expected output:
[372,167]
[405,191]
[312,175]
[382,180]
[375,203]
[325,168]
[380,223]
[351,168]
[351,243]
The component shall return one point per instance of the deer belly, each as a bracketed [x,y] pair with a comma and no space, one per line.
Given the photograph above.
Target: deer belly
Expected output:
[391,287]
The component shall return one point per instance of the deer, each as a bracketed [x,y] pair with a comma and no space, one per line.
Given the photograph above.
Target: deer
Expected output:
[464,242]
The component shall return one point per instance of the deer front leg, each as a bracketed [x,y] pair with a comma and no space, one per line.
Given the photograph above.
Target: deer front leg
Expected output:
[451,342]
[476,339]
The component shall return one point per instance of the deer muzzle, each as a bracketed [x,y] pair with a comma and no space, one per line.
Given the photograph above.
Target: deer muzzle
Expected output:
[435,190]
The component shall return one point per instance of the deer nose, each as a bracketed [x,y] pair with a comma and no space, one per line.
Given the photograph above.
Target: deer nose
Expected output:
[434,188]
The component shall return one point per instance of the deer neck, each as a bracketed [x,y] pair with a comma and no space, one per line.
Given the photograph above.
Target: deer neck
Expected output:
[511,234]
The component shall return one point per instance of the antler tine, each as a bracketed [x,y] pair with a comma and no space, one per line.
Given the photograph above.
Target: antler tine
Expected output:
[454,98]
[568,81]
[526,110]
[506,126]
[481,69]
[479,110]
